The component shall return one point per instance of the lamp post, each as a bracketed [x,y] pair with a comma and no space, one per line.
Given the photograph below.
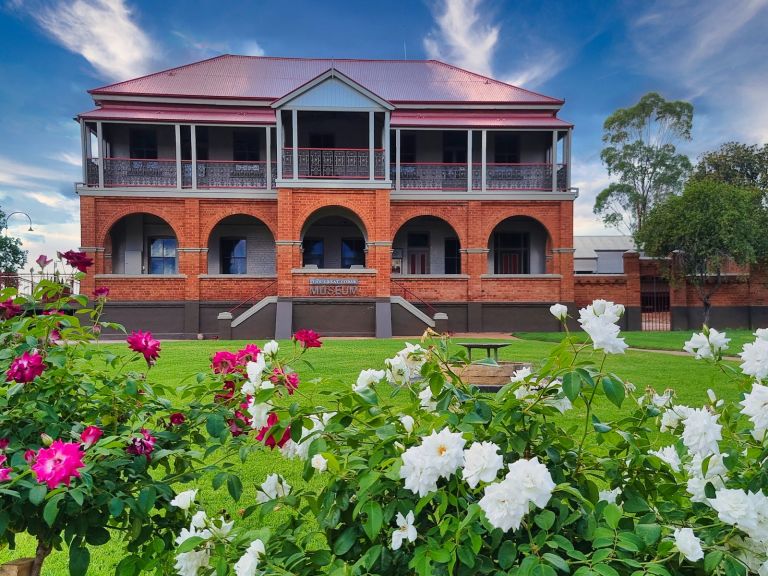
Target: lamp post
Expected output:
[8,217]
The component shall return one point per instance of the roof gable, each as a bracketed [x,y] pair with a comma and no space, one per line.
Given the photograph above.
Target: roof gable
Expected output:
[332,90]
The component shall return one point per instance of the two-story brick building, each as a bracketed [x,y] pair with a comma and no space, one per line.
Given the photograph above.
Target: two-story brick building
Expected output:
[252,196]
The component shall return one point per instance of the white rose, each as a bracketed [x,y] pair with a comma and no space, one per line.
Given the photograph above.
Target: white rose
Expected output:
[271,348]
[184,500]
[688,544]
[559,311]
[319,463]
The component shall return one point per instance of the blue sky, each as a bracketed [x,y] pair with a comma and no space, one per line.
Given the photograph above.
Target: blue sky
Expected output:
[597,55]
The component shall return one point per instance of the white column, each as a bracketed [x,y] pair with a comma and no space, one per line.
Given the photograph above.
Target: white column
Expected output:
[554,161]
[386,145]
[469,160]
[279,140]
[193,146]
[567,159]
[178,156]
[295,142]
[371,140]
[483,160]
[397,159]
[268,134]
[100,150]
[84,149]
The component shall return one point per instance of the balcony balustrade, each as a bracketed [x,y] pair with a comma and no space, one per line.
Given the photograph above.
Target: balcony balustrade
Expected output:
[227,174]
[334,163]
[453,176]
[155,173]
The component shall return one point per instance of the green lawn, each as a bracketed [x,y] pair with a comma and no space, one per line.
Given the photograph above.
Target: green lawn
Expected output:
[338,364]
[650,340]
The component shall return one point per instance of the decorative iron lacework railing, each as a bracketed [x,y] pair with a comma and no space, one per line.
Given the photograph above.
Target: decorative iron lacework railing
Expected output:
[226,174]
[160,173]
[336,163]
[442,176]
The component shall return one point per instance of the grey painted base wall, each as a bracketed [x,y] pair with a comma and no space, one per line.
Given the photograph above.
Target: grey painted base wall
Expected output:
[185,320]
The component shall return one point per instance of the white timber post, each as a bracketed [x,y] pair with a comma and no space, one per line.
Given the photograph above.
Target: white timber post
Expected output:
[371,141]
[554,161]
[386,144]
[295,136]
[397,159]
[567,159]
[193,152]
[279,139]
[483,160]
[178,156]
[84,149]
[268,141]
[100,150]
[469,160]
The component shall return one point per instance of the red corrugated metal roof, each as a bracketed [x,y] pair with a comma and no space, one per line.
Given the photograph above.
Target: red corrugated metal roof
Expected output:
[223,115]
[265,78]
[475,119]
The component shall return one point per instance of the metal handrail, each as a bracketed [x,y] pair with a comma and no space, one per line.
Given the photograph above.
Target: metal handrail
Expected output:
[253,297]
[432,309]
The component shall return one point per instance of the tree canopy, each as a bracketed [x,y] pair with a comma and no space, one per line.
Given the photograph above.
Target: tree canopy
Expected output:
[736,163]
[640,153]
[12,257]
[710,224]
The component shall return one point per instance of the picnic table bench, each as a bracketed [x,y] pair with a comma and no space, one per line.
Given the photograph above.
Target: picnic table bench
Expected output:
[487,346]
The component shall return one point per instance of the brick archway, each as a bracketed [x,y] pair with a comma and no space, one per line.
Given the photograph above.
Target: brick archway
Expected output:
[362,207]
[212,215]
[333,210]
[167,214]
[453,216]
[491,226]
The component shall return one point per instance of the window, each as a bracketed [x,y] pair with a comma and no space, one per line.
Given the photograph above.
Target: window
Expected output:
[455,147]
[245,146]
[234,257]
[506,148]
[142,143]
[352,252]
[511,253]
[162,255]
[452,257]
[314,250]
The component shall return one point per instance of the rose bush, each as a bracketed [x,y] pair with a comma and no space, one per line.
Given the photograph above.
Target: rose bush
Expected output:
[421,473]
[90,448]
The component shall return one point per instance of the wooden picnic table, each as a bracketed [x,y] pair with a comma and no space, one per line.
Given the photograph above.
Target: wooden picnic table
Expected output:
[487,346]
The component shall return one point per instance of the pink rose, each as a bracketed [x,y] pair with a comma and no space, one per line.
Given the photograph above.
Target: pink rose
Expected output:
[91,435]
[58,464]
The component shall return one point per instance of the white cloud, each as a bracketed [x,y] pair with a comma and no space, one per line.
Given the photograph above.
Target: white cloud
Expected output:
[250,48]
[590,177]
[104,32]
[21,175]
[69,158]
[465,35]
[203,48]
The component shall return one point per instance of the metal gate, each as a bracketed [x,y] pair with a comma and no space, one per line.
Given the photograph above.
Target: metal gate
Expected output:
[654,304]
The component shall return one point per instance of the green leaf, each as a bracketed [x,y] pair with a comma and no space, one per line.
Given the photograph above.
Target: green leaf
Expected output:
[215,425]
[116,506]
[374,519]
[37,494]
[605,570]
[97,535]
[79,559]
[507,554]
[51,509]
[712,560]
[650,533]
[345,541]
[234,487]
[572,385]
[614,391]
[147,498]
[612,515]
[545,519]
[466,556]
[440,555]
[190,544]
[557,562]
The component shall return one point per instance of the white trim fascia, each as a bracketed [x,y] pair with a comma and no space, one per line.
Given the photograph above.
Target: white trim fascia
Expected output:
[478,195]
[464,128]
[331,73]
[412,309]
[263,303]
[254,125]
[334,271]
[228,193]
[335,184]
[417,106]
